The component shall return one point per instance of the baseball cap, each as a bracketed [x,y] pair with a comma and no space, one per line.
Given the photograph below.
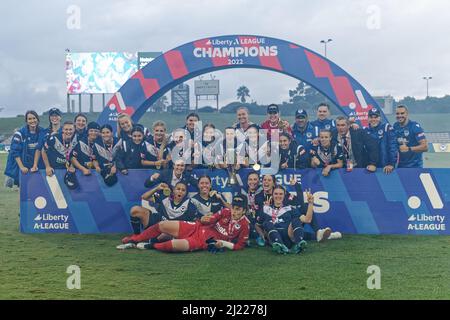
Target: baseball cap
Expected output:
[301,113]
[239,201]
[93,125]
[53,111]
[273,108]
[374,112]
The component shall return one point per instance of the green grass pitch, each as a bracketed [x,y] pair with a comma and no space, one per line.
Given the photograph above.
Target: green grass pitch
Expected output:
[34,267]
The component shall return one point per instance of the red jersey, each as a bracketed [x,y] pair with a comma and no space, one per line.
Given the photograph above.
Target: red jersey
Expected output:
[268,126]
[221,226]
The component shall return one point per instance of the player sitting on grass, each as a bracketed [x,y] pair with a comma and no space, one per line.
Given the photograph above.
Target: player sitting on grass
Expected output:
[277,218]
[169,205]
[225,229]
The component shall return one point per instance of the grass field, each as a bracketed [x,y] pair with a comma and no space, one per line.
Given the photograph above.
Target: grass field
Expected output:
[34,267]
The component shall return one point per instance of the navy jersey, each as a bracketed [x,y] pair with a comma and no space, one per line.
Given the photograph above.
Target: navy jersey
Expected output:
[210,206]
[411,135]
[104,153]
[326,124]
[260,199]
[296,156]
[129,155]
[279,217]
[48,132]
[184,211]
[387,144]
[209,154]
[329,155]
[58,151]
[305,137]
[84,153]
[152,150]
[81,134]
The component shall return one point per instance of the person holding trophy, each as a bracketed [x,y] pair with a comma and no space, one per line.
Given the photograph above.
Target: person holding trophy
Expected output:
[274,122]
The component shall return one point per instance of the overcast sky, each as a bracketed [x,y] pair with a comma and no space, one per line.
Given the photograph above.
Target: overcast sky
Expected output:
[388,46]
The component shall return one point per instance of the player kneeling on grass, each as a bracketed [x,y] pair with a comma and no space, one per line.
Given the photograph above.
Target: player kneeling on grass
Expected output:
[278,219]
[228,228]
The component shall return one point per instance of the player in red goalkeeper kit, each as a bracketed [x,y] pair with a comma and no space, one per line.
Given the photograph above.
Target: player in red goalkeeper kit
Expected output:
[224,229]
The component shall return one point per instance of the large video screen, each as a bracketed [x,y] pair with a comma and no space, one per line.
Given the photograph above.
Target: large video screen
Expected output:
[98,72]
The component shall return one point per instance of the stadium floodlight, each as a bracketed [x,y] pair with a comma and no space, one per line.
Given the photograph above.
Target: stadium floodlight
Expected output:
[325,44]
[427,80]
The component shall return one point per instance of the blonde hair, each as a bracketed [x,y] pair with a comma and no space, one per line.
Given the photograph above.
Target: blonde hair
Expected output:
[159,123]
[119,117]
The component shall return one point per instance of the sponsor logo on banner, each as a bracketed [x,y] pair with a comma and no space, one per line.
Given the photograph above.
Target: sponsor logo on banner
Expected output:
[48,221]
[422,221]
[236,48]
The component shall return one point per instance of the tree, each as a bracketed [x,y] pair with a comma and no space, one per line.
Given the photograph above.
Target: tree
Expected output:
[304,96]
[242,93]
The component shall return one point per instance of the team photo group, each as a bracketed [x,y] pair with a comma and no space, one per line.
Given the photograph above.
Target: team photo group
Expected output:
[260,212]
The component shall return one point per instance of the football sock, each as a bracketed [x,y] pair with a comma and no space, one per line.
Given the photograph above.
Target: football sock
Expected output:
[274,236]
[164,246]
[149,233]
[298,230]
[136,225]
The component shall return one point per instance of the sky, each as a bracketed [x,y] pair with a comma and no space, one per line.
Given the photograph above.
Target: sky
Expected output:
[388,46]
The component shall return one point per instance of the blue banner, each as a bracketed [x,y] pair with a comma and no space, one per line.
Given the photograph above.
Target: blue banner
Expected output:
[408,201]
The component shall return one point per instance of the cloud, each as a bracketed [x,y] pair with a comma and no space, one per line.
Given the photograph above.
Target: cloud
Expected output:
[392,59]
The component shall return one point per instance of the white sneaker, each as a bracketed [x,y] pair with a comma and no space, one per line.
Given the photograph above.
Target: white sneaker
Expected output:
[323,234]
[143,245]
[126,246]
[335,235]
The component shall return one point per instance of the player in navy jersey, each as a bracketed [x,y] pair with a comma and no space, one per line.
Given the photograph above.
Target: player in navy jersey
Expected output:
[291,154]
[411,140]
[105,149]
[125,126]
[54,118]
[57,149]
[165,205]
[305,134]
[208,153]
[81,130]
[156,153]
[208,201]
[130,153]
[172,176]
[250,190]
[82,155]
[179,147]
[277,217]
[228,228]
[387,142]
[323,122]
[327,155]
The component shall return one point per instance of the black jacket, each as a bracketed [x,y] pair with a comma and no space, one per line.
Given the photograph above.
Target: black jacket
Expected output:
[364,147]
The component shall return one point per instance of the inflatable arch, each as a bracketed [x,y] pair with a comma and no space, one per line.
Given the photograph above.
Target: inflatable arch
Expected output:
[238,51]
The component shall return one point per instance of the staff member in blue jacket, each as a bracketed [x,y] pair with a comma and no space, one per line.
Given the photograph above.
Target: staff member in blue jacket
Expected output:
[384,134]
[304,132]
[25,148]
